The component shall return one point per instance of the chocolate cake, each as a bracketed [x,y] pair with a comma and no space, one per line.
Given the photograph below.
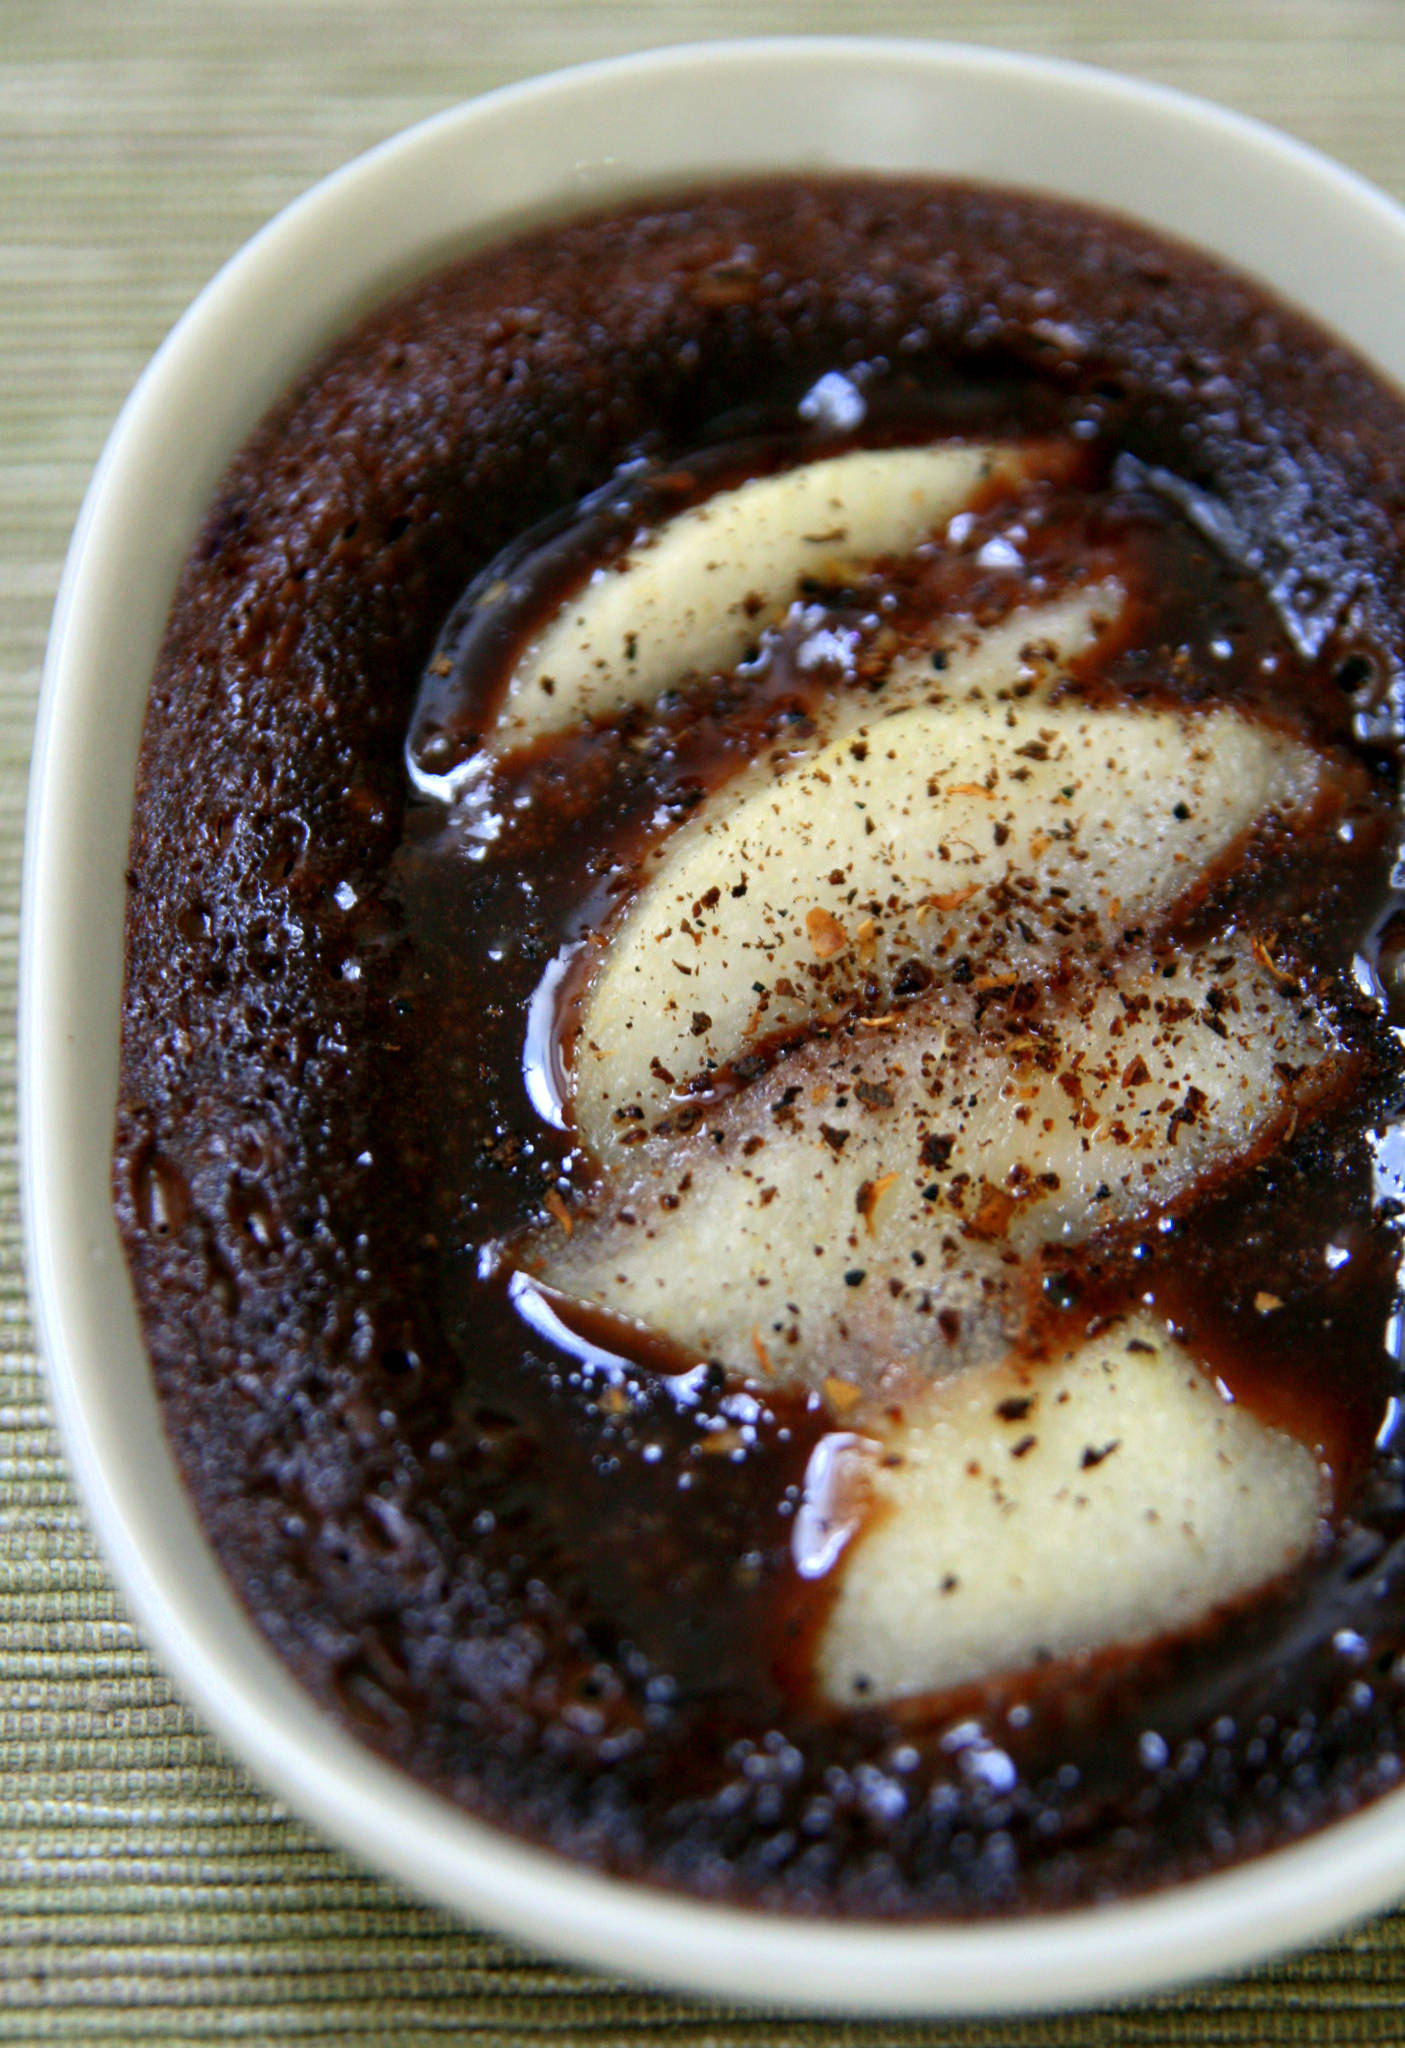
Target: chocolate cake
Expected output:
[759,1124]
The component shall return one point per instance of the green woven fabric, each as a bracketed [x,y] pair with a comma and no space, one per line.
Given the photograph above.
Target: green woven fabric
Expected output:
[148,1891]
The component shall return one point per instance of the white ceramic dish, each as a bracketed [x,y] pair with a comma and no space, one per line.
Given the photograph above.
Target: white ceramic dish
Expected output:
[1309,229]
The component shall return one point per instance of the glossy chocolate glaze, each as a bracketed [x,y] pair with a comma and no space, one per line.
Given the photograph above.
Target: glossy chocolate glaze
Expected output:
[559,1584]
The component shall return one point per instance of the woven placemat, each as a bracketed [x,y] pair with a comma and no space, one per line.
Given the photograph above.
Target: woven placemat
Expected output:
[148,1892]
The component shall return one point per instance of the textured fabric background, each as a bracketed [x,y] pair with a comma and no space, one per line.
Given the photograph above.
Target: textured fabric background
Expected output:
[148,1891]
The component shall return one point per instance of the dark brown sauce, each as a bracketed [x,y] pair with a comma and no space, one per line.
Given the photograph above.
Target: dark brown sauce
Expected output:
[546,1562]
[1318,1366]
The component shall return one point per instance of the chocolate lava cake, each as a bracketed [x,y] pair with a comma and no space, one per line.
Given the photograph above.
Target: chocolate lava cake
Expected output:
[762,964]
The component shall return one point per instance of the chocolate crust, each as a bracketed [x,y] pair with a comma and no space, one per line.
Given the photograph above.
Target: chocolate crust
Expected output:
[279,1161]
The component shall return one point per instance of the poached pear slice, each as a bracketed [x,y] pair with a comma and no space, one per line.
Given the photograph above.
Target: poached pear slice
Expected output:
[859,1218]
[976,840]
[1019,1515]
[693,596]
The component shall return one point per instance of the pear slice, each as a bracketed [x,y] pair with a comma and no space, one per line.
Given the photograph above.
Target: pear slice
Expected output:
[1024,1514]
[858,1217]
[974,838]
[694,596]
